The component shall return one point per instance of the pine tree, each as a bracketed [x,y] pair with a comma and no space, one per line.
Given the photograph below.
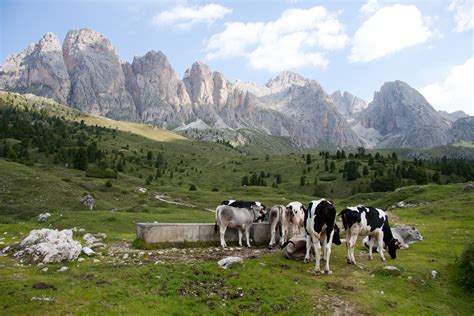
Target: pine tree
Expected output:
[308,159]
[332,168]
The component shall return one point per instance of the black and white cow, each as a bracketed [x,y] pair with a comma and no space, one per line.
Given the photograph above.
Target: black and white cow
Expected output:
[368,221]
[320,224]
[233,217]
[406,235]
[248,205]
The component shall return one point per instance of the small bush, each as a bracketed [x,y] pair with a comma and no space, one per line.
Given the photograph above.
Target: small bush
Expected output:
[108,184]
[192,188]
[94,172]
[215,190]
[327,178]
[466,267]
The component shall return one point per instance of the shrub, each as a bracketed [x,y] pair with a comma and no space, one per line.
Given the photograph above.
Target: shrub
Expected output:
[327,178]
[108,183]
[192,188]
[466,267]
[95,172]
[215,190]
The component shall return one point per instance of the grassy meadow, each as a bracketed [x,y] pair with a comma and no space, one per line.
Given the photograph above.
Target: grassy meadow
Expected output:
[185,281]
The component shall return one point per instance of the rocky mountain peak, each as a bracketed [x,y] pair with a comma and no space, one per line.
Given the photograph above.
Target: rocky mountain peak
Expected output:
[348,104]
[199,83]
[284,80]
[38,69]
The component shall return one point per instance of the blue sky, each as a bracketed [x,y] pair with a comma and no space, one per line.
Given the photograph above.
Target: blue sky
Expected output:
[345,45]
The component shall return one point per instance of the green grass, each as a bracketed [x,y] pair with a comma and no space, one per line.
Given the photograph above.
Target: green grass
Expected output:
[271,284]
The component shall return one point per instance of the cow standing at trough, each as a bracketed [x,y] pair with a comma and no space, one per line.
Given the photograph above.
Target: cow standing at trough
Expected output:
[233,217]
[320,224]
[283,217]
[248,205]
[367,221]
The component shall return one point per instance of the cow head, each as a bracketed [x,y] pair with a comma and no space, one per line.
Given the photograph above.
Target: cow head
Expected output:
[336,239]
[414,234]
[393,245]
[261,210]
[290,211]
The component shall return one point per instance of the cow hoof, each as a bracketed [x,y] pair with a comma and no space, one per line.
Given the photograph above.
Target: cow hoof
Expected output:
[349,261]
[370,258]
[306,260]
[328,271]
[317,272]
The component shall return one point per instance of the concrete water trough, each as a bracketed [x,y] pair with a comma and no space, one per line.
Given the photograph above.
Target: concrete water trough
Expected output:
[154,233]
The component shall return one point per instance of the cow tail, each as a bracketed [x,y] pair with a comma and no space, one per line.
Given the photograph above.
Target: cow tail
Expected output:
[344,220]
[216,227]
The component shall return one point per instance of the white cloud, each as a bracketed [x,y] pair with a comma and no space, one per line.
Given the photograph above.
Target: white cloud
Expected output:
[389,30]
[297,38]
[464,14]
[184,17]
[370,7]
[455,92]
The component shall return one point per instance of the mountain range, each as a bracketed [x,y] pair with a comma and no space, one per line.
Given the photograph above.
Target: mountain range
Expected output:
[86,73]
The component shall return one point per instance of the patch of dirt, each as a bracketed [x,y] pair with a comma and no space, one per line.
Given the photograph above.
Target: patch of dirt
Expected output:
[337,305]
[85,276]
[102,283]
[43,286]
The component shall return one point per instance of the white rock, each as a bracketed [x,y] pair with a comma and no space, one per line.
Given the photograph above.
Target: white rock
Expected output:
[125,256]
[141,253]
[81,260]
[96,260]
[42,298]
[142,190]
[88,251]
[434,274]
[43,217]
[45,269]
[229,261]
[48,245]
[391,268]
[62,269]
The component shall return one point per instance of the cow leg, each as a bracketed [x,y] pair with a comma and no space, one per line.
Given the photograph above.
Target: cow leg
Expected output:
[272,231]
[317,251]
[371,246]
[324,247]
[352,244]
[222,230]
[348,247]
[327,254]
[380,244]
[239,231]
[247,235]
[284,234]
[308,249]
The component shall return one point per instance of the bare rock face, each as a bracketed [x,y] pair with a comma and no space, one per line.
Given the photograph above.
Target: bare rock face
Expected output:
[97,79]
[347,104]
[39,69]
[158,94]
[463,129]
[404,118]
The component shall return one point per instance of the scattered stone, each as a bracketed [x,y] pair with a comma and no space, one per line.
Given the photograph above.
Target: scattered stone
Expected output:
[469,186]
[43,286]
[81,260]
[141,253]
[142,190]
[92,239]
[62,269]
[45,269]
[391,268]
[48,245]
[88,201]
[96,260]
[47,299]
[159,262]
[388,271]
[125,256]
[97,245]
[403,204]
[434,274]
[43,217]
[88,251]
[230,261]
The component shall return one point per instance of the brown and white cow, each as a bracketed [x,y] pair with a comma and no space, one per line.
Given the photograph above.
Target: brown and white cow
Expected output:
[279,216]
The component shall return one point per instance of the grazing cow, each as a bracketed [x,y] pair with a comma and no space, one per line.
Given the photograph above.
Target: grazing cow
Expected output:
[320,223]
[248,205]
[367,221]
[297,211]
[404,234]
[233,217]
[279,215]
